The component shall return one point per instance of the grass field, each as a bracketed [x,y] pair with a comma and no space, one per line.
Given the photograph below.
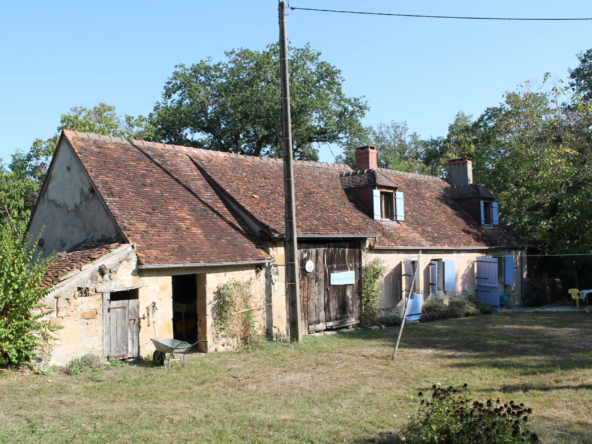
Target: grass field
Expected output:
[331,388]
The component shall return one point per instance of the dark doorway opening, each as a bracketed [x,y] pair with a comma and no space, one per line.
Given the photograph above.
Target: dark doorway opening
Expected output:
[185,307]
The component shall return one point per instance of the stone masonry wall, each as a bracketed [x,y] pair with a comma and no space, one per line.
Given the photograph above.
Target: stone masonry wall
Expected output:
[75,307]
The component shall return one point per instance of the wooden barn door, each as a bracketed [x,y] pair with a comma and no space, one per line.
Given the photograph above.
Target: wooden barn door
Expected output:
[328,298]
[487,281]
[121,325]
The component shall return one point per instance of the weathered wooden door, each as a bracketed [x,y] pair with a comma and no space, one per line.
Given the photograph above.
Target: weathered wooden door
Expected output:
[487,281]
[325,305]
[121,328]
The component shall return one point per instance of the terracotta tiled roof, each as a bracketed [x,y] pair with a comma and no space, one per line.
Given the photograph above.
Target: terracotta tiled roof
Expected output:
[364,178]
[468,192]
[78,256]
[161,198]
[434,219]
[257,184]
[162,203]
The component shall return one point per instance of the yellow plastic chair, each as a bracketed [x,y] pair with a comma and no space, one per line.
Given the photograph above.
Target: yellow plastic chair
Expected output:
[575,295]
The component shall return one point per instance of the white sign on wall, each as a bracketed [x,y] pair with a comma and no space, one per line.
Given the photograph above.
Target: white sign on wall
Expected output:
[343,278]
[309,266]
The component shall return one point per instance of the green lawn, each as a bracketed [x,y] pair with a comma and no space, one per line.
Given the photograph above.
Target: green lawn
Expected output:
[331,388]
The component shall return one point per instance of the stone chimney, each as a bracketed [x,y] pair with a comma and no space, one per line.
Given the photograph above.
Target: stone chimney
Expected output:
[366,158]
[460,171]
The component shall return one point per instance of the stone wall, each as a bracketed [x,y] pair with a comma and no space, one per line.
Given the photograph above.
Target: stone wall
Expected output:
[75,307]
[157,292]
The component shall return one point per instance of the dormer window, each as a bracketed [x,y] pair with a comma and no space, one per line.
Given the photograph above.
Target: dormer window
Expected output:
[489,213]
[388,205]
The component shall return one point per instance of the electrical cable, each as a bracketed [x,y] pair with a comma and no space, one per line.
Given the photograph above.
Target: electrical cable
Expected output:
[293,8]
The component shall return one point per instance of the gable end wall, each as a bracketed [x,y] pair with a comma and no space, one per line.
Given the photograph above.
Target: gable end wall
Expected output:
[70,209]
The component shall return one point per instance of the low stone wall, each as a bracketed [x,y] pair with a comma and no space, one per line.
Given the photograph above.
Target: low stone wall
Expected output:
[75,307]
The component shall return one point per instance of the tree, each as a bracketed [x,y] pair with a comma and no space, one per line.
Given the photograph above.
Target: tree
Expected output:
[102,119]
[581,77]
[396,148]
[235,105]
[459,142]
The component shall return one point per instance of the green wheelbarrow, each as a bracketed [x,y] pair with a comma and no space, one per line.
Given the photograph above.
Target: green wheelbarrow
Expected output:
[171,346]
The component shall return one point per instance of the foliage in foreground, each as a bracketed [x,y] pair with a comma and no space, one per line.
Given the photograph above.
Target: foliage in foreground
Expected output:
[85,363]
[22,334]
[449,417]
[232,312]
[371,289]
[458,308]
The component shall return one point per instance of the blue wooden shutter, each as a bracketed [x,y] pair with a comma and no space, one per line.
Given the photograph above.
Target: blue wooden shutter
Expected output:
[399,206]
[482,213]
[494,213]
[376,204]
[449,276]
[407,277]
[509,270]
[434,277]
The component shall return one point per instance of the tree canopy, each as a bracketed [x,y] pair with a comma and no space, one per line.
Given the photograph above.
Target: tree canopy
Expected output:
[234,105]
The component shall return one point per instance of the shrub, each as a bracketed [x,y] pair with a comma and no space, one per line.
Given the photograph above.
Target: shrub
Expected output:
[22,333]
[434,311]
[450,417]
[371,290]
[483,307]
[85,363]
[233,313]
[462,308]
[458,308]
[390,320]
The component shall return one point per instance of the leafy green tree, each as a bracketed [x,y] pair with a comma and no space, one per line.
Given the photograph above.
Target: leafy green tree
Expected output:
[22,333]
[397,148]
[459,142]
[102,119]
[235,106]
[581,77]
[17,197]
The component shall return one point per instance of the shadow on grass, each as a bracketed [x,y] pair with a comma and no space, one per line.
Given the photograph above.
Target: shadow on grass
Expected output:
[526,343]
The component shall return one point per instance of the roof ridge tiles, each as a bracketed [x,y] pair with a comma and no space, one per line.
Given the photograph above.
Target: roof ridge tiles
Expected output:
[215,153]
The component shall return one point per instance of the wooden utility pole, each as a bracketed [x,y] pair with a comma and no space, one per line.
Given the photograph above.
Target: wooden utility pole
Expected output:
[291,245]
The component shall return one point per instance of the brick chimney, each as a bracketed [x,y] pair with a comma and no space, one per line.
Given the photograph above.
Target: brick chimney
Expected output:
[460,171]
[366,158]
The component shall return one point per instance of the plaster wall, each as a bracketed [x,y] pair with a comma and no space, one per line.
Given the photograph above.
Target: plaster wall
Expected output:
[75,307]
[70,210]
[465,270]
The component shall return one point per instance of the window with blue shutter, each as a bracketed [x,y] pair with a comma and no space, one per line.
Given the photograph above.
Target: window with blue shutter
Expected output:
[434,277]
[449,276]
[509,270]
[399,206]
[376,204]
[482,212]
[494,214]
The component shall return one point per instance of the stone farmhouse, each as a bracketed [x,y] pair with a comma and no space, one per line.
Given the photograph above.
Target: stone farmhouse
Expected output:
[146,233]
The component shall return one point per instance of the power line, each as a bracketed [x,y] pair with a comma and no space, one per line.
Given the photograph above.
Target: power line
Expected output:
[293,8]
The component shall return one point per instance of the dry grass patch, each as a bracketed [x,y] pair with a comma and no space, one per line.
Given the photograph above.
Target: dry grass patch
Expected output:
[334,388]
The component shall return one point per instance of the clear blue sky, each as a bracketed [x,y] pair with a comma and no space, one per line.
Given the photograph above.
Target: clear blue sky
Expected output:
[60,54]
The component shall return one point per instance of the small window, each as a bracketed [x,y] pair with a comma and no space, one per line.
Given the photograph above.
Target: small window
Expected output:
[387,206]
[487,213]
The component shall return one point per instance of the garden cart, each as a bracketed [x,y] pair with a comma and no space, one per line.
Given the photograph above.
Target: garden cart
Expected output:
[171,346]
